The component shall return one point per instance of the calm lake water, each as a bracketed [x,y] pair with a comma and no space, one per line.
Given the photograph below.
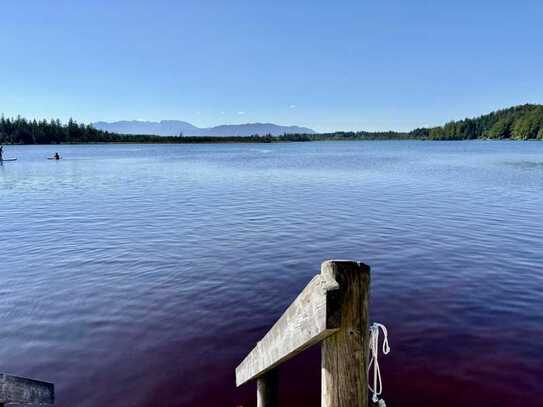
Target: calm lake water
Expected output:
[141,275]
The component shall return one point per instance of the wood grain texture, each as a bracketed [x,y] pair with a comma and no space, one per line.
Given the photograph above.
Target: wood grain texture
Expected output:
[307,321]
[345,354]
[267,389]
[20,390]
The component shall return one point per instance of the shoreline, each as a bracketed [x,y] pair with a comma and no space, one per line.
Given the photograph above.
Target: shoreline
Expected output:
[249,141]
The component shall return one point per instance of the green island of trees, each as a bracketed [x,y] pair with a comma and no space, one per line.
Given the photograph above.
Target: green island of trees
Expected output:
[523,122]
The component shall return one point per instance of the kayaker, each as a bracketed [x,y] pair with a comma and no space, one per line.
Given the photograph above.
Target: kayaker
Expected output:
[57,157]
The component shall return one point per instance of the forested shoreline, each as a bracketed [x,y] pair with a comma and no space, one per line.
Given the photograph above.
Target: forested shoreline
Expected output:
[523,122]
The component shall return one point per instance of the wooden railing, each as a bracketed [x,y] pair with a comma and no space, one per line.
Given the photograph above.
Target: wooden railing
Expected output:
[19,390]
[331,309]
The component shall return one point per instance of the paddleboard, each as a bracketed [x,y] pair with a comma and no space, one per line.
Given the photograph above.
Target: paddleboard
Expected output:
[8,159]
[53,158]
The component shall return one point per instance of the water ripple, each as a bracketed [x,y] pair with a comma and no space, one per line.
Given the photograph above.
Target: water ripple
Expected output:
[151,266]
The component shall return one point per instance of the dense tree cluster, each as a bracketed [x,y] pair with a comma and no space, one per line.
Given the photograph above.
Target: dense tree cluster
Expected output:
[23,131]
[520,122]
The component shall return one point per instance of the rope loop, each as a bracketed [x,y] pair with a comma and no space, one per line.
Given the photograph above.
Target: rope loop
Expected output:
[377,387]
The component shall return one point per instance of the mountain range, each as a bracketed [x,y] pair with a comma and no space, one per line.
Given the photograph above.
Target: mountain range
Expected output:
[176,127]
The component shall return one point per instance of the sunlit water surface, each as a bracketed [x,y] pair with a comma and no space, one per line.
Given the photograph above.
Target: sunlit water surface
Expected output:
[140,275]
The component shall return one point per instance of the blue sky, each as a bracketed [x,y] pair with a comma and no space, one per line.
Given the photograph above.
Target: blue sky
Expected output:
[324,64]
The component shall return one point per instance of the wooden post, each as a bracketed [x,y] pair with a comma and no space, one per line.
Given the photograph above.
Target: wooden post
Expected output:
[306,322]
[20,390]
[332,309]
[345,354]
[267,391]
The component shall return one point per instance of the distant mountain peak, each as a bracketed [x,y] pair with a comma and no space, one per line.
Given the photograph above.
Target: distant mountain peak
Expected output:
[176,127]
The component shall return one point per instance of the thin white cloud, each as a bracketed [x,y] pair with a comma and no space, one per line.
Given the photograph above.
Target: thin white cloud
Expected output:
[292,106]
[241,113]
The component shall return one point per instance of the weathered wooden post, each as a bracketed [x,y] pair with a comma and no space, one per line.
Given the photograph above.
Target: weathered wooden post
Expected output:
[332,309]
[20,390]
[267,391]
[345,354]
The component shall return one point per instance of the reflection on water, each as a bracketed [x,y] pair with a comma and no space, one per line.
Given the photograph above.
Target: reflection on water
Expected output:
[141,275]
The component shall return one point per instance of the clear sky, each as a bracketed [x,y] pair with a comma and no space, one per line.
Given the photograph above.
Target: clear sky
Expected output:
[328,65]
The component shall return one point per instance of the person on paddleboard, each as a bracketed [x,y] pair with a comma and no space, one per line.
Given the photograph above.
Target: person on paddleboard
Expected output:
[56,156]
[1,153]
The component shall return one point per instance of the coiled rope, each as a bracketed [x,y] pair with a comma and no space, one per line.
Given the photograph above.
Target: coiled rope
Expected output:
[377,387]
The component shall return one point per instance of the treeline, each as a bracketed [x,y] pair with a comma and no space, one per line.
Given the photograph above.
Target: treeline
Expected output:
[346,135]
[23,131]
[523,122]
[520,123]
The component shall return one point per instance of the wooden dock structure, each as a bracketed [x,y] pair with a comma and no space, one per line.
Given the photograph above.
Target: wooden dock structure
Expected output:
[20,390]
[331,310]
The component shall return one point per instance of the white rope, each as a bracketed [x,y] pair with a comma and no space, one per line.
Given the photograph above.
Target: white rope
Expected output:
[377,387]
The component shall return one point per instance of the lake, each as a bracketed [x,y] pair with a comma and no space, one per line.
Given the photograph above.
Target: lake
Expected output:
[140,275]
